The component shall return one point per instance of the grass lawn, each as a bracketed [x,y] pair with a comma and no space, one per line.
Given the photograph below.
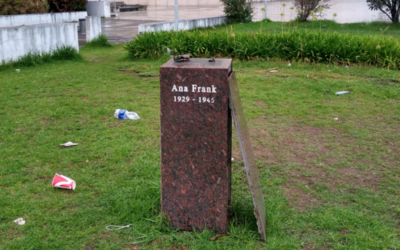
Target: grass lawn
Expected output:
[328,184]
[361,29]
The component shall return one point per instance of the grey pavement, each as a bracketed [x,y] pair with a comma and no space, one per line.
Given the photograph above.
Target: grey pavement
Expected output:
[124,28]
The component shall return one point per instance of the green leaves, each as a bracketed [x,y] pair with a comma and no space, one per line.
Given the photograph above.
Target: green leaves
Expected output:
[237,11]
[297,45]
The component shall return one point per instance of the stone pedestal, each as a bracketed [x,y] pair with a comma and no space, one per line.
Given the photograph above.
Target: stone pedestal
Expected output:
[196,134]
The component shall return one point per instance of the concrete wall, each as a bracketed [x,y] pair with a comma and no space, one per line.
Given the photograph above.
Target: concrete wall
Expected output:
[98,8]
[182,25]
[93,27]
[19,41]
[183,2]
[18,20]
[172,2]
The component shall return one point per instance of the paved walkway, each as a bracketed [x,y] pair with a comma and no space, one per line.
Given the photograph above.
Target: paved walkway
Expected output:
[124,28]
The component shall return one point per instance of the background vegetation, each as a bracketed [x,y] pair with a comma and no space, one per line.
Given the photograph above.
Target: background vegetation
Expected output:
[237,11]
[13,7]
[67,5]
[305,8]
[295,45]
[390,8]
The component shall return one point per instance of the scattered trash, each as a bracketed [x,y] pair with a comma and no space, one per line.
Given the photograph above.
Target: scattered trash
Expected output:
[168,51]
[20,221]
[117,227]
[342,92]
[232,159]
[217,236]
[273,71]
[17,70]
[125,115]
[61,181]
[336,119]
[182,58]
[347,66]
[68,144]
[308,76]
[289,64]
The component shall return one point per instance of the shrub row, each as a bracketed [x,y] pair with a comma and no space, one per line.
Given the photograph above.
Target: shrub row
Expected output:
[297,45]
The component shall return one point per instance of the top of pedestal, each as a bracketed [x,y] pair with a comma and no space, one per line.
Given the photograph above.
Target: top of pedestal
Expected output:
[196,63]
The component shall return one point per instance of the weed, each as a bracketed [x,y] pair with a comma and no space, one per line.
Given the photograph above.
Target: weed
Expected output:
[101,41]
[64,53]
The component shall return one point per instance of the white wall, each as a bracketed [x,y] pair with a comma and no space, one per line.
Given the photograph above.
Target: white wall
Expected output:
[171,2]
[93,27]
[98,8]
[19,41]
[182,25]
[18,20]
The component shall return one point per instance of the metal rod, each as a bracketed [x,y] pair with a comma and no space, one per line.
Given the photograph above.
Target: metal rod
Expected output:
[176,15]
[265,7]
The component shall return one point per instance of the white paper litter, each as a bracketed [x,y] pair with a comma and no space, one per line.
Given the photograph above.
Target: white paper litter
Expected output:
[19,221]
[68,144]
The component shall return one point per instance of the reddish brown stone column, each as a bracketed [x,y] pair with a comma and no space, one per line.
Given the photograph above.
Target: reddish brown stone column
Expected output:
[196,143]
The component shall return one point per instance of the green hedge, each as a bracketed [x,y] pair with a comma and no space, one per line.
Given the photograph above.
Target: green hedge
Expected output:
[298,45]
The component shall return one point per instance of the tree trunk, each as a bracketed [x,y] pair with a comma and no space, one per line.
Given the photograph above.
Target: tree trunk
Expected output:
[395,14]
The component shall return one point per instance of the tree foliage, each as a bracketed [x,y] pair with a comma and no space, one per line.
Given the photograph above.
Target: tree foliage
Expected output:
[237,11]
[67,5]
[15,7]
[391,8]
[305,7]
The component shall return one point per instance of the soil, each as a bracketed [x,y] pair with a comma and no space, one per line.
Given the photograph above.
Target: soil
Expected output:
[299,199]
[309,156]
[127,72]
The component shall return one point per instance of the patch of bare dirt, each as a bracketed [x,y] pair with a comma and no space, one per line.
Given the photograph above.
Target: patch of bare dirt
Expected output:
[299,199]
[311,247]
[14,233]
[260,151]
[132,247]
[309,155]
[44,177]
[135,74]
[359,178]
[313,175]
[260,103]
[297,144]
[90,246]
[344,231]
[94,60]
